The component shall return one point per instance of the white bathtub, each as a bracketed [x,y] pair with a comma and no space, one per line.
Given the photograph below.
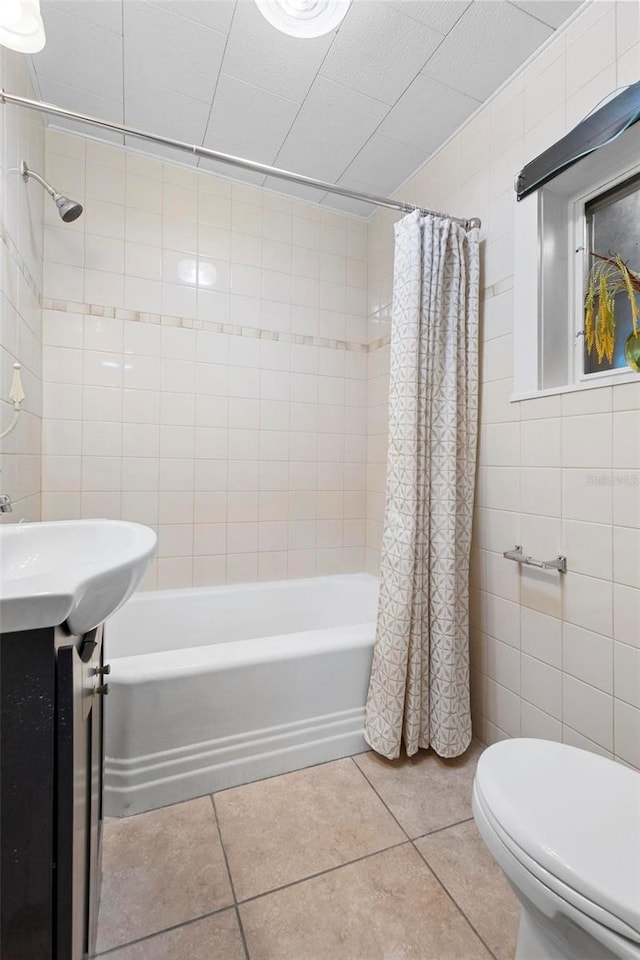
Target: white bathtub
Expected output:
[214,687]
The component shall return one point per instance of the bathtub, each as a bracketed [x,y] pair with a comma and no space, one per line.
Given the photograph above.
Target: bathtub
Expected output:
[217,686]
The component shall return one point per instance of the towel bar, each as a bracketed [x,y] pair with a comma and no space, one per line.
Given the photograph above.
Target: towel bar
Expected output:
[559,563]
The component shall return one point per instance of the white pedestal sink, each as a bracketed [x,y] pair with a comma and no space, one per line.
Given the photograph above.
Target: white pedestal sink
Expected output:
[76,572]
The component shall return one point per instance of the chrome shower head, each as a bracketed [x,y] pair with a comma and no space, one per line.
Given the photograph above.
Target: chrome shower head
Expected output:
[69,210]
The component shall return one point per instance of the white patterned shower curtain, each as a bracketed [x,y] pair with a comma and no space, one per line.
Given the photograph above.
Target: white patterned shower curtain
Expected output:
[419,687]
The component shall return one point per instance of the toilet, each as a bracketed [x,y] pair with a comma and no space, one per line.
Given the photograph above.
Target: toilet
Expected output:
[564,825]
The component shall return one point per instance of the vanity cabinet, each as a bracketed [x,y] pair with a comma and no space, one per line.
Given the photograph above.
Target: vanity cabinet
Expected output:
[51,756]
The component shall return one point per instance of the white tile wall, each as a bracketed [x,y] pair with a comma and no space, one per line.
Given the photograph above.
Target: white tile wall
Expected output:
[552,657]
[221,396]
[190,405]
[21,212]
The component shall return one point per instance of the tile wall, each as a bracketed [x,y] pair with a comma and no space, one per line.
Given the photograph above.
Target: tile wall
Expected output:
[205,352]
[208,357]
[552,657]
[21,207]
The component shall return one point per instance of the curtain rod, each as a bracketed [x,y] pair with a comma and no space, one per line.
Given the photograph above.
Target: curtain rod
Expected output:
[205,152]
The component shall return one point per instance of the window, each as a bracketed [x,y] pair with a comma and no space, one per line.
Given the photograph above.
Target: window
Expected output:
[591,207]
[612,228]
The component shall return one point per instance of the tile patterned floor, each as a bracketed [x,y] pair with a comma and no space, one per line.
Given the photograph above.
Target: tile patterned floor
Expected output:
[359,859]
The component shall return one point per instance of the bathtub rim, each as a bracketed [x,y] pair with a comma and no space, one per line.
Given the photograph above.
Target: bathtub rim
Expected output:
[234,654]
[145,596]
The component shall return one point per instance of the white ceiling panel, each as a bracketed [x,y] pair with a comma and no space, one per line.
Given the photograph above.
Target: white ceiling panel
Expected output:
[260,54]
[364,106]
[441,15]
[346,204]
[163,111]
[552,12]
[323,161]
[108,136]
[171,50]
[82,101]
[311,159]
[382,164]
[426,114]
[296,190]
[161,152]
[336,115]
[261,119]
[79,54]
[402,46]
[237,149]
[486,45]
[215,14]
[106,15]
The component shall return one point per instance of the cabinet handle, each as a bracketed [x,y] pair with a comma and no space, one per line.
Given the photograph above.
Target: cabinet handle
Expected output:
[103,671]
[102,688]
[88,647]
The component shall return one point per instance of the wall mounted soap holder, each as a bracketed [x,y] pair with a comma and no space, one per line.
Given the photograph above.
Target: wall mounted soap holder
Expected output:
[559,563]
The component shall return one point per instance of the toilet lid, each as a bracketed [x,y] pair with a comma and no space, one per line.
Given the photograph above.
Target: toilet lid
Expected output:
[574,813]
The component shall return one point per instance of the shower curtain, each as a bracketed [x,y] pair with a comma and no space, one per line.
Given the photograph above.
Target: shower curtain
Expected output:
[419,686]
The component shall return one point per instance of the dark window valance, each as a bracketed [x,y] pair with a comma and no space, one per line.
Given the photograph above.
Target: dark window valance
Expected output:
[595,131]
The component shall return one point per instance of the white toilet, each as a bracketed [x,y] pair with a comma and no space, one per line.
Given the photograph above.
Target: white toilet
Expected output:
[564,825]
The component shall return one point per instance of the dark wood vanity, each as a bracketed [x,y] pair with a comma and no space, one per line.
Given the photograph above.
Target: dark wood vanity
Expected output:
[52,688]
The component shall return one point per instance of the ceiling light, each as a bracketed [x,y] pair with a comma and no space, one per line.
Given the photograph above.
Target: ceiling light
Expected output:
[21,26]
[304,18]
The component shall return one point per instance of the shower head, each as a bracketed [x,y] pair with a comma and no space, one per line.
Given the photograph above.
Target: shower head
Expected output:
[69,210]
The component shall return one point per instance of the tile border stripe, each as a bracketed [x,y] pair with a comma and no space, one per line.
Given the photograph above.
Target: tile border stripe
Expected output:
[254,333]
[14,252]
[234,330]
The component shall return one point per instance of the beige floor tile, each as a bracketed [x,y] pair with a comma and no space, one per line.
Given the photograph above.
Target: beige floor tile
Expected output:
[385,907]
[460,858]
[160,869]
[424,792]
[214,938]
[287,828]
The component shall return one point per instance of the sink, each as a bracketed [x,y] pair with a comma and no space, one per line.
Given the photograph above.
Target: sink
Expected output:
[76,572]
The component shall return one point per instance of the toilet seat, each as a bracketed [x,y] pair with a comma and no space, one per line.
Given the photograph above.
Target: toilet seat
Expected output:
[551,884]
[572,820]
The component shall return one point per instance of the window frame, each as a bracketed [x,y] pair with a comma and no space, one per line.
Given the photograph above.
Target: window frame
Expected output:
[592,176]
[578,242]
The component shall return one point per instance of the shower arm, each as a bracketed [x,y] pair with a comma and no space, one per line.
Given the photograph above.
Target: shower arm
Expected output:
[26,173]
[69,210]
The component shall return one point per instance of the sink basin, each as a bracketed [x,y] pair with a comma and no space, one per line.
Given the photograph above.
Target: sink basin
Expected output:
[76,572]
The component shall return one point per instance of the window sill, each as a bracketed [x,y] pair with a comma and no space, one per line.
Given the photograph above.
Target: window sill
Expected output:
[613,380]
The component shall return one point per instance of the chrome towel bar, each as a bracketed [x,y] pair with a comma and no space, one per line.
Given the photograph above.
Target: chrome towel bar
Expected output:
[559,563]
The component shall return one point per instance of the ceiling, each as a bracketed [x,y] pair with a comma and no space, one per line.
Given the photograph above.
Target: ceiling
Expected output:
[363,106]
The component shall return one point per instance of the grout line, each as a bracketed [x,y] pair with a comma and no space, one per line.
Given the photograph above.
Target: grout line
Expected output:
[124,119]
[534,17]
[240,902]
[215,88]
[157,933]
[224,852]
[321,873]
[184,923]
[449,826]
[374,853]
[383,802]
[13,251]
[321,196]
[230,875]
[407,835]
[287,773]
[391,107]
[454,902]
